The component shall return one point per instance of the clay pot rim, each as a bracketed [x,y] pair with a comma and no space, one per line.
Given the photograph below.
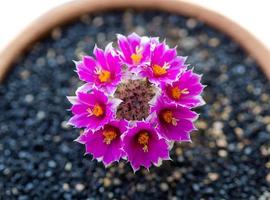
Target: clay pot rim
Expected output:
[76,8]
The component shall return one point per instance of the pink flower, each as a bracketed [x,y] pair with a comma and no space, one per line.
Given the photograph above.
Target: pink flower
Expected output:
[124,117]
[174,122]
[92,110]
[135,50]
[104,72]
[165,66]
[185,91]
[143,146]
[105,144]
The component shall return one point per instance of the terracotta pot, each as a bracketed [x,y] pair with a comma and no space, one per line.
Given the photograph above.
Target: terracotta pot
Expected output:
[74,9]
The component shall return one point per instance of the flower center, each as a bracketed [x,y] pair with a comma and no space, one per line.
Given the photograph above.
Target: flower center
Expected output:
[167,116]
[176,92]
[104,76]
[135,96]
[97,111]
[158,70]
[109,136]
[136,58]
[143,139]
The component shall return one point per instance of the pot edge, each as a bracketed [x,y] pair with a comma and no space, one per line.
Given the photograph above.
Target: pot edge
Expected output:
[76,8]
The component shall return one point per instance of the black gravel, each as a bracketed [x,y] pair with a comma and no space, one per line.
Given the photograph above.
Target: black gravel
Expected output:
[229,156]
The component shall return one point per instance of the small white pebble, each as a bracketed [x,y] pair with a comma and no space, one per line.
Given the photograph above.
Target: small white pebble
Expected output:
[98,21]
[56,33]
[116,181]
[68,166]
[107,182]
[140,30]
[222,143]
[79,187]
[110,195]
[213,176]
[191,23]
[56,138]
[213,42]
[239,132]
[29,98]
[201,125]
[41,115]
[7,171]
[101,189]
[41,62]
[164,187]
[24,74]
[64,125]
[177,175]
[15,191]
[218,125]
[65,186]
[222,153]
[52,164]
[51,53]
[140,187]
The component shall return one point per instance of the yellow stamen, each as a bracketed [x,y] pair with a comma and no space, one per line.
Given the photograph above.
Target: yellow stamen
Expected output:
[143,139]
[104,76]
[136,58]
[176,92]
[168,117]
[97,111]
[158,70]
[109,136]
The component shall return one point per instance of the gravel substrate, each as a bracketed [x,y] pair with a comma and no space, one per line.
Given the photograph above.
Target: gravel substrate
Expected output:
[229,156]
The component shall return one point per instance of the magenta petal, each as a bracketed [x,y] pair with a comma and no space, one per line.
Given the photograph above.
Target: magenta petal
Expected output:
[84,105]
[134,40]
[158,54]
[180,129]
[125,48]
[157,148]
[86,99]
[169,55]
[190,82]
[91,70]
[185,113]
[95,143]
[89,62]
[86,72]
[100,56]
[181,132]
[80,121]
[171,65]
[134,44]
[79,108]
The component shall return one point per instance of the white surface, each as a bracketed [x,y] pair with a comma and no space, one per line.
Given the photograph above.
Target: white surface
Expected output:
[15,15]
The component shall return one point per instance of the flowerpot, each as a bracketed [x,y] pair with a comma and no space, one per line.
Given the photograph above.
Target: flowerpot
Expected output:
[77,8]
[229,152]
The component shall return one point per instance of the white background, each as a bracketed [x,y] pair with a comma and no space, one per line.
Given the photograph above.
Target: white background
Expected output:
[15,15]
